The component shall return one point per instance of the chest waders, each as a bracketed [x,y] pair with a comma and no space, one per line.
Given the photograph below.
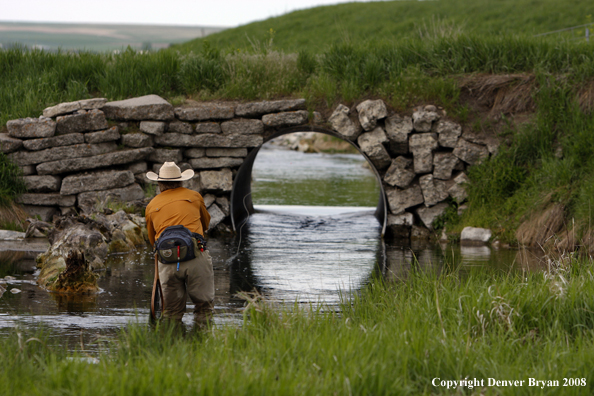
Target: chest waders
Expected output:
[157,296]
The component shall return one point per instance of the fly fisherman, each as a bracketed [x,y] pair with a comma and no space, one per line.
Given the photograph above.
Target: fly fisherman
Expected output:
[179,206]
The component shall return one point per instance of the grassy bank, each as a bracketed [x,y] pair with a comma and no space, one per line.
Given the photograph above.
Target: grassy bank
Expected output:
[392,339]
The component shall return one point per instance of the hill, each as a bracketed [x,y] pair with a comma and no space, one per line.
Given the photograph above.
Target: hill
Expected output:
[314,29]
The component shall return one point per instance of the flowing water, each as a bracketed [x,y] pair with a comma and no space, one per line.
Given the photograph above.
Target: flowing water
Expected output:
[313,238]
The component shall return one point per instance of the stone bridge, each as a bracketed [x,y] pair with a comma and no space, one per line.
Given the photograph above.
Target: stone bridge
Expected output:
[79,155]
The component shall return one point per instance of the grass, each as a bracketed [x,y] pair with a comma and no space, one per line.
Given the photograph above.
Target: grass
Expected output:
[392,338]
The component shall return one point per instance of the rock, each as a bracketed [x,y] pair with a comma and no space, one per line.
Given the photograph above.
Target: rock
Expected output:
[469,152]
[419,233]
[462,209]
[95,181]
[423,161]
[28,170]
[197,152]
[398,130]
[108,135]
[68,210]
[162,155]
[152,127]
[205,111]
[482,139]
[208,127]
[423,120]
[194,183]
[9,144]
[457,190]
[397,174]
[54,141]
[448,133]
[180,127]
[223,203]
[119,157]
[60,153]
[429,215]
[209,140]
[256,109]
[217,181]
[342,124]
[475,235]
[404,219]
[48,199]
[44,213]
[370,111]
[443,165]
[224,152]
[149,107]
[7,235]
[286,119]
[93,103]
[422,146]
[14,290]
[88,200]
[371,143]
[399,200]
[81,121]
[209,199]
[242,127]
[399,226]
[42,184]
[434,191]
[62,108]
[31,128]
[216,216]
[219,162]
[137,139]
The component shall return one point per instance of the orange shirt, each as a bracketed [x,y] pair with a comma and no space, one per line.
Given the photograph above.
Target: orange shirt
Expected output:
[179,206]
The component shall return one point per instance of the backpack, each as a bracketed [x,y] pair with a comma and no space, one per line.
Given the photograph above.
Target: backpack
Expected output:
[175,245]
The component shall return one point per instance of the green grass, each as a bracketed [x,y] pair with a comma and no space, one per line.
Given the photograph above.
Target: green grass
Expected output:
[392,338]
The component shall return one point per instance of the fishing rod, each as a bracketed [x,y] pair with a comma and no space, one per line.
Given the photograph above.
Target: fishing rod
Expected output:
[157,295]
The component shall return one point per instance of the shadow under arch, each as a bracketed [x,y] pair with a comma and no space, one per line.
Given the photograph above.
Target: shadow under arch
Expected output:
[241,205]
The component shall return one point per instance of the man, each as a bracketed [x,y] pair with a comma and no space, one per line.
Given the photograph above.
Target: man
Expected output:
[176,205]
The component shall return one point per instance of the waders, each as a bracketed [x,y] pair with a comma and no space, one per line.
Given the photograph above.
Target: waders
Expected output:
[157,296]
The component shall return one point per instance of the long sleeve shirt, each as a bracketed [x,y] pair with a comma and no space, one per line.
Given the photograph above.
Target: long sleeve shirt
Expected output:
[179,206]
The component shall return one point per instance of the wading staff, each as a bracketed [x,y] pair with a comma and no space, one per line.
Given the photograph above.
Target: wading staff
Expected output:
[157,296]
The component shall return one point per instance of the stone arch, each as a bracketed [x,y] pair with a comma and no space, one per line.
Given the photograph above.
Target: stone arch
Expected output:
[241,202]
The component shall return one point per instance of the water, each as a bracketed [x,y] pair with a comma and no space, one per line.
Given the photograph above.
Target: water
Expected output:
[287,251]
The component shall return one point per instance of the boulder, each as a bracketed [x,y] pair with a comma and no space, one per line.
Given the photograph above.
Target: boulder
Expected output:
[443,165]
[370,111]
[199,152]
[397,174]
[208,127]
[448,133]
[216,216]
[342,124]
[9,144]
[96,181]
[137,139]
[108,135]
[429,215]
[31,128]
[286,119]
[371,143]
[60,153]
[475,235]
[257,109]
[81,121]
[87,201]
[152,127]
[218,162]
[423,120]
[217,181]
[162,155]
[149,107]
[399,200]
[434,191]
[242,127]
[206,111]
[225,152]
[54,141]
[42,184]
[180,127]
[46,199]
[469,152]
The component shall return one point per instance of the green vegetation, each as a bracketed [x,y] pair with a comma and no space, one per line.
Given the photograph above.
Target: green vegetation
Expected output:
[11,182]
[393,338]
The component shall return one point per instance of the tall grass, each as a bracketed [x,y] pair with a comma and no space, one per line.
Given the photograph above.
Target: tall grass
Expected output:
[393,338]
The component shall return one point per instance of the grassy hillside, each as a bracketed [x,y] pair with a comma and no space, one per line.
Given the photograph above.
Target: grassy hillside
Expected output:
[314,29]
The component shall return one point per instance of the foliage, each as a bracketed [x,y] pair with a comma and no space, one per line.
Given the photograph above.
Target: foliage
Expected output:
[11,183]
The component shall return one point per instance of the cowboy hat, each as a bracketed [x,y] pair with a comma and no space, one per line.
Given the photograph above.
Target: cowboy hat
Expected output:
[170,172]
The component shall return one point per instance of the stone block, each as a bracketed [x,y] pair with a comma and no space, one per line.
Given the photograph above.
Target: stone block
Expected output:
[475,235]
[62,108]
[217,181]
[422,141]
[81,121]
[342,123]
[457,190]
[423,120]
[257,109]
[398,174]
[28,170]
[137,139]
[423,161]
[370,111]
[371,143]
[206,111]
[223,204]
[60,153]
[119,157]
[180,127]
[429,215]
[194,183]
[108,135]
[443,165]
[196,152]
[434,191]
[212,163]
[46,199]
[93,103]
[225,152]
[209,199]
[399,200]
[54,141]
[88,200]
[43,213]
[470,153]
[149,107]
[152,127]
[166,155]
[286,119]
[138,167]
[96,181]
[399,226]
[242,127]
[208,127]
[419,233]
[448,133]
[42,184]
[9,144]
[398,130]
[216,216]
[209,140]
[31,128]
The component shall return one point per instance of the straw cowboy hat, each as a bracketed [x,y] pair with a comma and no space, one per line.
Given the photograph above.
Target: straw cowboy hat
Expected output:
[170,172]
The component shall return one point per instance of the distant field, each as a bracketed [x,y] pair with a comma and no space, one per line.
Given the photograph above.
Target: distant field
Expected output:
[93,37]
